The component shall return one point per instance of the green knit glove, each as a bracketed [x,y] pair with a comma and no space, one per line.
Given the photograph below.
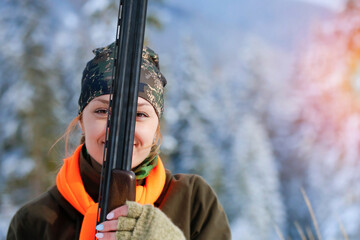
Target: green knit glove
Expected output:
[145,222]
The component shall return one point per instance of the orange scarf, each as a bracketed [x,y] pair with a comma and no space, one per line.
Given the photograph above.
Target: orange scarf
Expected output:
[71,187]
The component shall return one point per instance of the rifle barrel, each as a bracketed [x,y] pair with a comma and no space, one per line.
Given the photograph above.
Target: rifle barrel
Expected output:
[123,107]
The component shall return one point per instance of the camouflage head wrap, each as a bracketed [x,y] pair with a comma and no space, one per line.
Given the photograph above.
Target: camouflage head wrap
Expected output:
[97,78]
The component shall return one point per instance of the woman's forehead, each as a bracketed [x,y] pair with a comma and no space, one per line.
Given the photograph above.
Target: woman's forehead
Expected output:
[143,102]
[105,98]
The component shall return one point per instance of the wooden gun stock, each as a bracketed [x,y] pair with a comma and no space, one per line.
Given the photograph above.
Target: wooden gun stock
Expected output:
[122,188]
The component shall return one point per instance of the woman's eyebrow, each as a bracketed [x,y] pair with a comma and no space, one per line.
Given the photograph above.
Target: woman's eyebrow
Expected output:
[102,101]
[144,104]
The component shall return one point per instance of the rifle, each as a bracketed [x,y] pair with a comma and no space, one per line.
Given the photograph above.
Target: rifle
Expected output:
[118,182]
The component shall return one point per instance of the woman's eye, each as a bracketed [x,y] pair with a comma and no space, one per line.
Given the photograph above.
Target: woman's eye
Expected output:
[141,115]
[101,111]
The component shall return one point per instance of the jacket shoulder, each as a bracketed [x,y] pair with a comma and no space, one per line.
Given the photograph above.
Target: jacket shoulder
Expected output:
[194,187]
[37,217]
[193,205]
[30,217]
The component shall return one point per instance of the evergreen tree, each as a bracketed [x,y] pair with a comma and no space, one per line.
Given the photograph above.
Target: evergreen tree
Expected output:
[254,181]
[188,117]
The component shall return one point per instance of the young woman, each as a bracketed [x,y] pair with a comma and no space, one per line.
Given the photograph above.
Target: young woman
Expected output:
[167,206]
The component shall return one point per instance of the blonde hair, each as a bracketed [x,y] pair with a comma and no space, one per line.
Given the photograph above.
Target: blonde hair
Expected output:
[66,136]
[155,147]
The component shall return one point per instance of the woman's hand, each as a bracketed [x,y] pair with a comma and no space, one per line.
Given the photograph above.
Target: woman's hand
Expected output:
[138,222]
[107,230]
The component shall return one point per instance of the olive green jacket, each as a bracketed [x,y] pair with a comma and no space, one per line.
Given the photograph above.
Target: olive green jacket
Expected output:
[186,199]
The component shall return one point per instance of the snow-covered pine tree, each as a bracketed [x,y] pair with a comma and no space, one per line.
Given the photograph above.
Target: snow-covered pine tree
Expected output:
[254,181]
[188,116]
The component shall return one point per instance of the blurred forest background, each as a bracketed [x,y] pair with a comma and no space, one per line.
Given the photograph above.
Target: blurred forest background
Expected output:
[262,101]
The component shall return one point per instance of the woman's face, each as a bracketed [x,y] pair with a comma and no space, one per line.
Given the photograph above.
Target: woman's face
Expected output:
[93,125]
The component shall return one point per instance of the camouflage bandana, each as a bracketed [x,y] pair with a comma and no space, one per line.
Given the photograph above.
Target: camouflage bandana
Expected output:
[97,78]
[144,168]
